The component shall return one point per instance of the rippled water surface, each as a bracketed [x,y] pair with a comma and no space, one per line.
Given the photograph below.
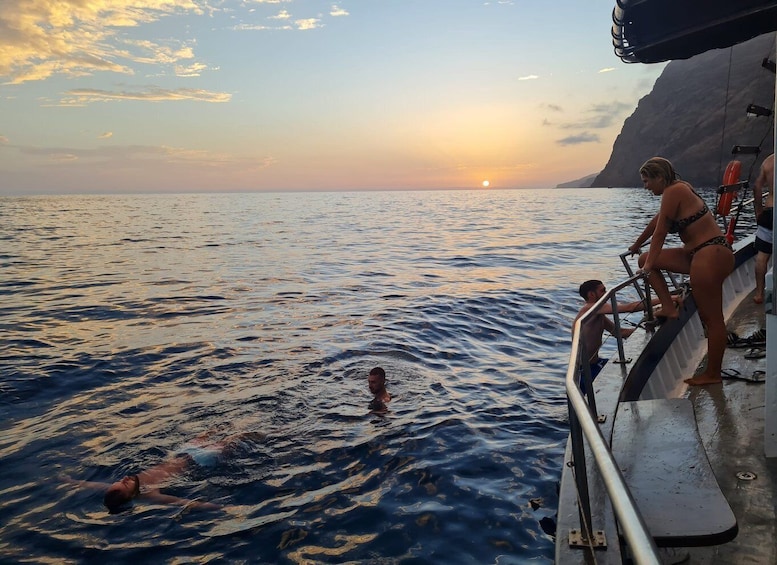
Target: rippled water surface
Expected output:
[133,323]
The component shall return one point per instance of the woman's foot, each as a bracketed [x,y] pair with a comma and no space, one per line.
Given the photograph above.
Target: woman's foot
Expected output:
[678,300]
[704,379]
[758,298]
[671,313]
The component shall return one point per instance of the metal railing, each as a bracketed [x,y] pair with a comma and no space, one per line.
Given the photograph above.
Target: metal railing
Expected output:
[583,424]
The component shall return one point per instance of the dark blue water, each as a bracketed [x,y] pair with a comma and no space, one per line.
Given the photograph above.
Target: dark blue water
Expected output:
[131,324]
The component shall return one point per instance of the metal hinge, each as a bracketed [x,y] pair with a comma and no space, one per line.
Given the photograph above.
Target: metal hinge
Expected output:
[577,540]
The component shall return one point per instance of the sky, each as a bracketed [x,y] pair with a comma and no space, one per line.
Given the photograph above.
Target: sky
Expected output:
[102,96]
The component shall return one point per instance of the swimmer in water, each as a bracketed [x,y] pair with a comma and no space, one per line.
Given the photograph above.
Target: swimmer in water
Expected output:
[377,383]
[201,451]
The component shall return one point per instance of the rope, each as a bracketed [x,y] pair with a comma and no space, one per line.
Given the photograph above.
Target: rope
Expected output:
[725,112]
[584,525]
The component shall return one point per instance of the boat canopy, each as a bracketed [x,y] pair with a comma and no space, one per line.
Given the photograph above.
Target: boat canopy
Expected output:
[653,31]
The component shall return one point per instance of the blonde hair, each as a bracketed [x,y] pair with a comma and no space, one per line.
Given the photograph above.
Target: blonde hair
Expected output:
[658,167]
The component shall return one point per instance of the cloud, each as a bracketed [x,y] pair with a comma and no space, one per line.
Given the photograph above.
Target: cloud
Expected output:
[554,107]
[63,157]
[529,77]
[585,137]
[600,116]
[607,70]
[309,23]
[337,11]
[282,15]
[260,27]
[125,156]
[106,135]
[193,70]
[43,38]
[303,24]
[3,140]
[83,96]
[40,39]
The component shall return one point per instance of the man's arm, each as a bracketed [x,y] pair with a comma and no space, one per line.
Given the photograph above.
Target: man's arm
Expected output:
[609,325]
[758,187]
[627,307]
[85,484]
[157,496]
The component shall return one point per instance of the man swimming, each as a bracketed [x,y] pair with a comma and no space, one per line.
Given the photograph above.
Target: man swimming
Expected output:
[147,484]
[376,380]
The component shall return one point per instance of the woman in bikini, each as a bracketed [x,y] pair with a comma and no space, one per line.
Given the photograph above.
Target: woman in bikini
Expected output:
[706,257]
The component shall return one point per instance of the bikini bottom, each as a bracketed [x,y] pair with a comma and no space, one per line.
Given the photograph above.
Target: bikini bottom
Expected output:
[718,240]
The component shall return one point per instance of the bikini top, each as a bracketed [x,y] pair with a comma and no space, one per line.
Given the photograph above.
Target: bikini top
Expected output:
[677,226]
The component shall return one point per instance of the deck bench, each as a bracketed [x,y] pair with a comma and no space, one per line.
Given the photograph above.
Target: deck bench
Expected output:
[660,453]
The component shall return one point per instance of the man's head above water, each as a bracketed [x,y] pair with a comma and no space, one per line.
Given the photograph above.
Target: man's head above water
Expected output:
[121,492]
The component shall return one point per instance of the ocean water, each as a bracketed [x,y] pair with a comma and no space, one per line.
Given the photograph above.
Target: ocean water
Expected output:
[132,323]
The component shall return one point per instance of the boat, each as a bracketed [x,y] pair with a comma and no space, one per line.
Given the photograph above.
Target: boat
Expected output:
[655,471]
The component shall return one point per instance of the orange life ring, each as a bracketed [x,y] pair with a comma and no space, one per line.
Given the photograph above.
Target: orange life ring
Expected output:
[730,177]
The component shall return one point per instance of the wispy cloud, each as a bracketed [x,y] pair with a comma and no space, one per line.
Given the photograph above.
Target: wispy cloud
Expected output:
[193,70]
[599,116]
[40,39]
[83,96]
[124,155]
[259,27]
[48,37]
[607,70]
[282,15]
[299,24]
[529,77]
[585,137]
[106,135]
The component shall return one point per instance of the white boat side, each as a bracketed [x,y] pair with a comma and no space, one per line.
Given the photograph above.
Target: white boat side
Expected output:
[657,363]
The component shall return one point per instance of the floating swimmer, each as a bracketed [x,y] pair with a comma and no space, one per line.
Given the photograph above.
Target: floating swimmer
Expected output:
[146,484]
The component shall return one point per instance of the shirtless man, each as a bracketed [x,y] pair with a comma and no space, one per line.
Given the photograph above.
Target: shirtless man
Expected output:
[764,213]
[146,484]
[377,383]
[591,332]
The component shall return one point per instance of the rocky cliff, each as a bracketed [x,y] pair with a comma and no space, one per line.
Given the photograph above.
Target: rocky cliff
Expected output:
[584,182]
[696,113]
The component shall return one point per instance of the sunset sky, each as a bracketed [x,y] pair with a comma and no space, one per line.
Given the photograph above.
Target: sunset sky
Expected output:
[234,95]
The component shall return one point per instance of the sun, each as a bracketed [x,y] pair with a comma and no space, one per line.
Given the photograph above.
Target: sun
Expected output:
[486,184]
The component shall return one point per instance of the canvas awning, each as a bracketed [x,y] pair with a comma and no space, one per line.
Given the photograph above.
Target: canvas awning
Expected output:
[653,31]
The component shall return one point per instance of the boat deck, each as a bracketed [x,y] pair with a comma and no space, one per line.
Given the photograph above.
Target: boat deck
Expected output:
[730,419]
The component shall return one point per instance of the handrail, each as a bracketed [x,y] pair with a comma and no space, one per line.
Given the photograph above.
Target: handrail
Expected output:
[583,418]
[631,273]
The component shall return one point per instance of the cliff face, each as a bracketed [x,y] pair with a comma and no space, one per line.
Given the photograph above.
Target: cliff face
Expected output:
[584,182]
[695,114]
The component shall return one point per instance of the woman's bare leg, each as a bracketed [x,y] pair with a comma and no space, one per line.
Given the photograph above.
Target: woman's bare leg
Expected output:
[709,269]
[674,260]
